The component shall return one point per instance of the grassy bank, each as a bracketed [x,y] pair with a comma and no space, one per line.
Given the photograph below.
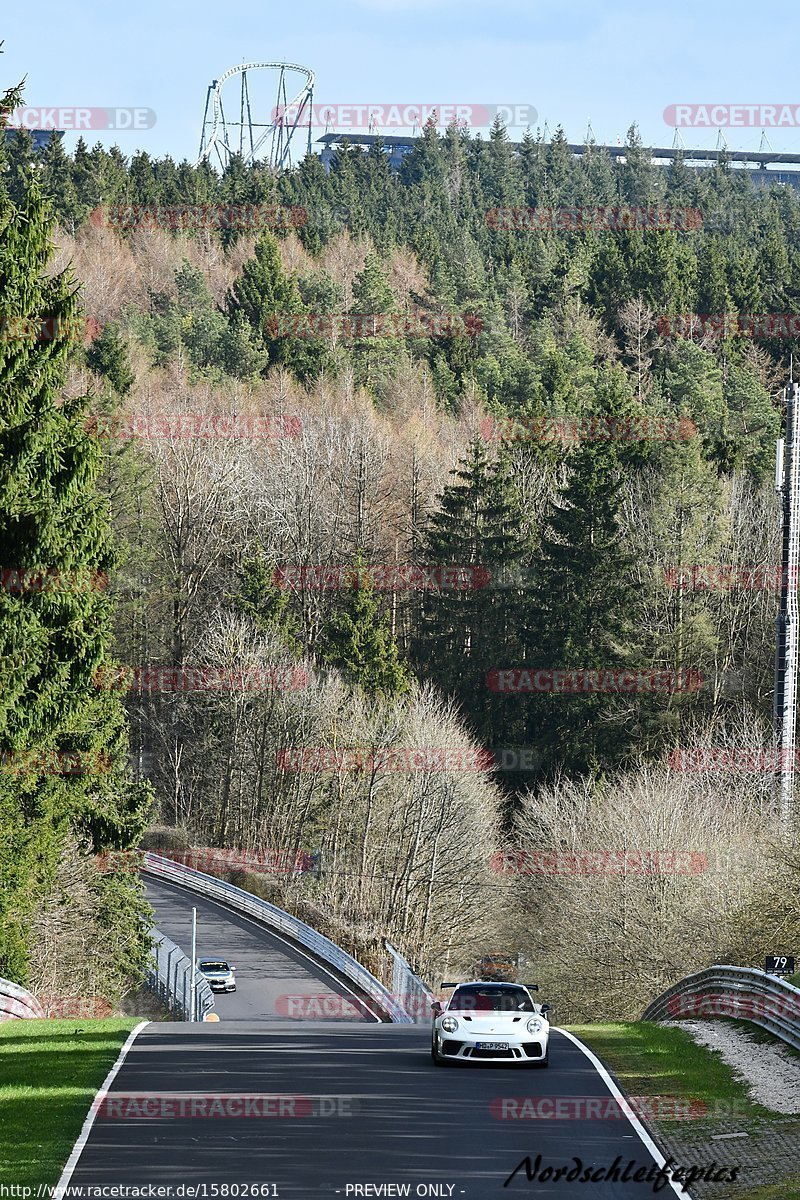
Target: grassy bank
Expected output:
[49,1074]
[653,1061]
[787,1189]
[657,1061]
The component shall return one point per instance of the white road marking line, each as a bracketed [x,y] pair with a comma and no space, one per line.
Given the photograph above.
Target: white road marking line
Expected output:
[86,1129]
[634,1120]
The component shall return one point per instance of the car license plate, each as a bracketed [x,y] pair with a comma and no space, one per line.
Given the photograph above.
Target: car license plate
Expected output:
[491,1045]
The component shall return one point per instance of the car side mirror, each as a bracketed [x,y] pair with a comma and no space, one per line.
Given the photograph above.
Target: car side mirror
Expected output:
[545,1008]
[436,1008]
[233,969]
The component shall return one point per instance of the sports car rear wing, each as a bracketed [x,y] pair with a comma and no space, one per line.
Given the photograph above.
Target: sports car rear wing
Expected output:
[532,987]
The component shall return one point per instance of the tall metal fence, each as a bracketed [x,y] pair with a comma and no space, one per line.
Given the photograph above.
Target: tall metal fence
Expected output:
[170,978]
[276,918]
[741,993]
[15,1001]
[414,995]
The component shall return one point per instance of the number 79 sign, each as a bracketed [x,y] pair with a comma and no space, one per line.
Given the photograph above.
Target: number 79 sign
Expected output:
[779,964]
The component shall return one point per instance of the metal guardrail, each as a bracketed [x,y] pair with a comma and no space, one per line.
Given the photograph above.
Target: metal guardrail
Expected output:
[282,922]
[741,993]
[15,1001]
[170,978]
[415,996]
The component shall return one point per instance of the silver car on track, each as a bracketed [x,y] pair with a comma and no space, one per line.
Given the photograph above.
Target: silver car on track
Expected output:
[219,973]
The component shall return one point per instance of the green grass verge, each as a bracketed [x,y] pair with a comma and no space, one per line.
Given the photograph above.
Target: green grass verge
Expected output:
[49,1074]
[787,1189]
[653,1060]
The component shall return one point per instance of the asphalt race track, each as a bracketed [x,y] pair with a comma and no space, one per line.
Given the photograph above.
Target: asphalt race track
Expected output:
[362,1104]
[270,972]
[315,1110]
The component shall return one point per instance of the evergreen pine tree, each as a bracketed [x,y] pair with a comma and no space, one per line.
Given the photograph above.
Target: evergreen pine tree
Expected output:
[267,605]
[55,612]
[502,180]
[357,639]
[86,177]
[265,295]
[375,354]
[583,614]
[20,159]
[108,356]
[470,620]
[55,180]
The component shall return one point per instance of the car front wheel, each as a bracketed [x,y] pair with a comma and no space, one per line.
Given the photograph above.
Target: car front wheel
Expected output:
[437,1058]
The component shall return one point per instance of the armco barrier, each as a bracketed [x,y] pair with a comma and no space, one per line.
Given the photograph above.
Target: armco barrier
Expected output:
[282,922]
[16,1002]
[171,979]
[417,997]
[741,993]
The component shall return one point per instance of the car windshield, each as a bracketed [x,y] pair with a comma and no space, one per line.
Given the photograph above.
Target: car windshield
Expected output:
[214,966]
[496,999]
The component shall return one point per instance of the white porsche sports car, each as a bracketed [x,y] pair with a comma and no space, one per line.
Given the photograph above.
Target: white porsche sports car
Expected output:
[491,1022]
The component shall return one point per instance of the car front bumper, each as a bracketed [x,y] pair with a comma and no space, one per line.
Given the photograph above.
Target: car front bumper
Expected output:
[461,1049]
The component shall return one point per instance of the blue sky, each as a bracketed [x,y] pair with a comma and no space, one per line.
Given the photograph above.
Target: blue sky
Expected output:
[611,66]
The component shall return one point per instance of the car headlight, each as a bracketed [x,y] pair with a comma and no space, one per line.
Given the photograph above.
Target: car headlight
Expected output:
[449,1024]
[534,1025]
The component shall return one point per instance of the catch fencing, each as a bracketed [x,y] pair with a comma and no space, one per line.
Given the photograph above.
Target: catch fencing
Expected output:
[170,978]
[416,996]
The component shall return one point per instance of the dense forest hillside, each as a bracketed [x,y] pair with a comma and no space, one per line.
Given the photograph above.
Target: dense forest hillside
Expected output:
[438,538]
